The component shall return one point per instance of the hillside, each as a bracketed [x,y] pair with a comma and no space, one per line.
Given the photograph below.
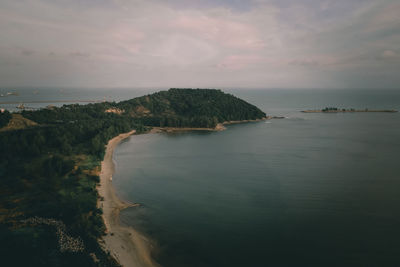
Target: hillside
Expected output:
[189,108]
[172,108]
[18,122]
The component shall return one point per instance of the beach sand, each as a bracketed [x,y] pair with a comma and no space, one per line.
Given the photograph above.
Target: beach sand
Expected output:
[127,246]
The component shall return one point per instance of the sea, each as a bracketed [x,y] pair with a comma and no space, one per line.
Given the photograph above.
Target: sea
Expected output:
[312,189]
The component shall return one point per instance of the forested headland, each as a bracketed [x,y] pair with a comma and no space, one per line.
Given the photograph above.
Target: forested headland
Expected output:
[49,169]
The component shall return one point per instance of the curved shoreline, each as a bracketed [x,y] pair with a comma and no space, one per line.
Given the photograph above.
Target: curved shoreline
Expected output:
[125,244]
[219,127]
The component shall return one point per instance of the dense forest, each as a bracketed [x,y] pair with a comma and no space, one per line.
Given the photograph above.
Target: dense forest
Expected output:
[4,118]
[189,108]
[49,172]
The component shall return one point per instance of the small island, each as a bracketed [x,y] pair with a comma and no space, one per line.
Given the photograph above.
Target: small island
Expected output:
[58,206]
[344,110]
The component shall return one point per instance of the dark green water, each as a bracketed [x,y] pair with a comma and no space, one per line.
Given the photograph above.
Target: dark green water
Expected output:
[309,190]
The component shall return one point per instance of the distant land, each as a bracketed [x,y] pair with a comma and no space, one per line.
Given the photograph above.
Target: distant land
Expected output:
[51,209]
[337,110]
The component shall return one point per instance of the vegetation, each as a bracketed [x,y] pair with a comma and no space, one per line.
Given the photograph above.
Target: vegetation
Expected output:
[189,108]
[327,109]
[4,118]
[334,109]
[18,122]
[49,172]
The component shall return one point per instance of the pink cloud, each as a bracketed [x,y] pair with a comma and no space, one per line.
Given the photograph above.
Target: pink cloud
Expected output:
[390,55]
[225,32]
[386,17]
[127,38]
[237,62]
[313,61]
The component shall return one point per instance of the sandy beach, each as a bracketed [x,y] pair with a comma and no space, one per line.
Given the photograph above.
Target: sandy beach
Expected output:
[126,245]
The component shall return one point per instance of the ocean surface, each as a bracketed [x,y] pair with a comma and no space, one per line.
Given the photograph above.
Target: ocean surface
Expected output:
[36,98]
[307,190]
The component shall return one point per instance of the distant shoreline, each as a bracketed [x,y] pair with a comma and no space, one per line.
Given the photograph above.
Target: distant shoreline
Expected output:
[348,111]
[219,127]
[50,101]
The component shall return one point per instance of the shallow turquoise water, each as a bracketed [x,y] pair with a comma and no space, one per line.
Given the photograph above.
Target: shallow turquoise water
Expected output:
[309,190]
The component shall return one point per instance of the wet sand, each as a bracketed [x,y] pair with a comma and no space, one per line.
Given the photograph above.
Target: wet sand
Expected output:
[125,244]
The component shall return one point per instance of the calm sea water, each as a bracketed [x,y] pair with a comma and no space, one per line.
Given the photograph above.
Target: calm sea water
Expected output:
[308,190]
[60,96]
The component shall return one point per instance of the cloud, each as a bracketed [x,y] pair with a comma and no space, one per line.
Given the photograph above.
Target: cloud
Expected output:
[255,43]
[27,52]
[79,54]
[306,62]
[390,55]
[239,62]
[224,32]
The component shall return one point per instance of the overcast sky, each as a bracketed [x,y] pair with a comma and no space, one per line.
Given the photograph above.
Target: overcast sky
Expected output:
[209,43]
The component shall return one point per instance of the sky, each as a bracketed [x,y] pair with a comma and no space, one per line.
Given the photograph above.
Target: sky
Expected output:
[193,43]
